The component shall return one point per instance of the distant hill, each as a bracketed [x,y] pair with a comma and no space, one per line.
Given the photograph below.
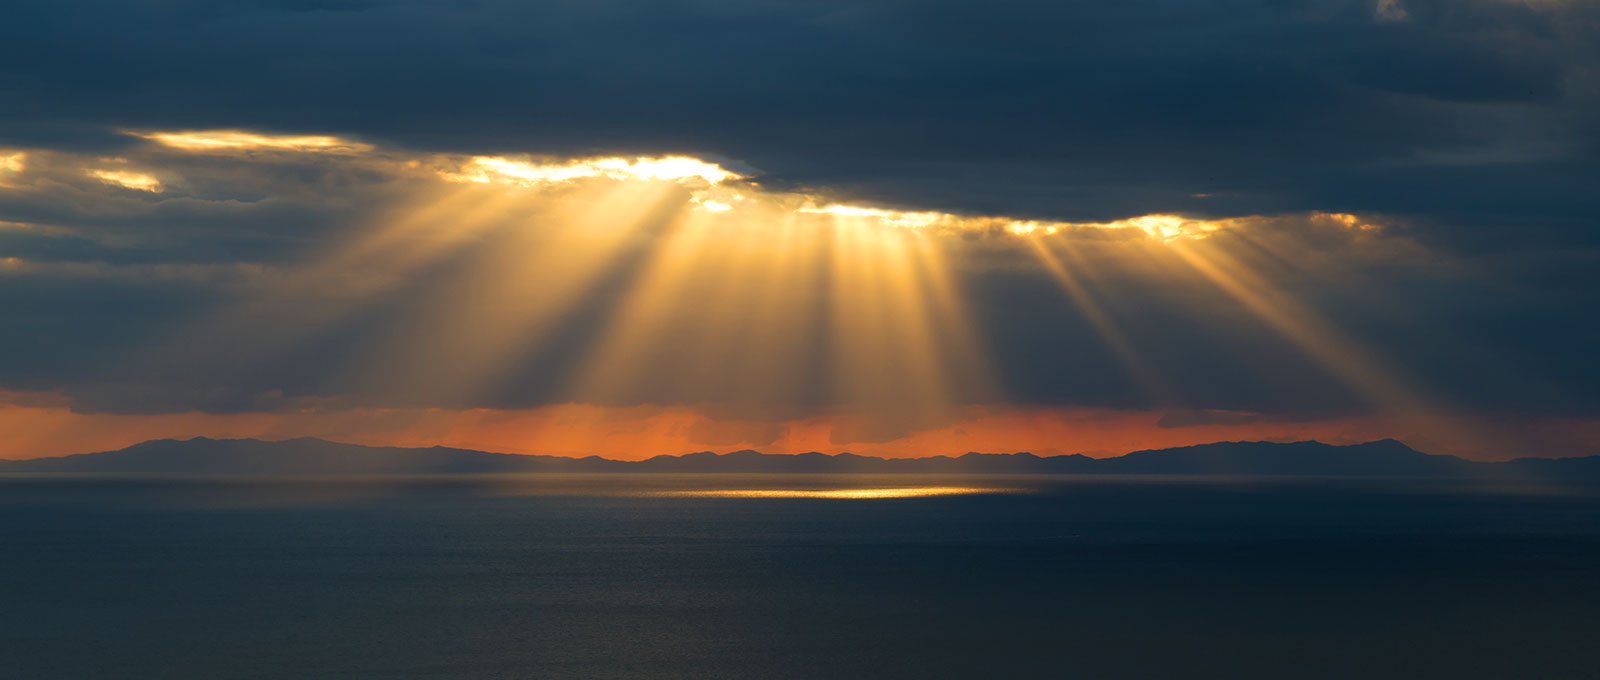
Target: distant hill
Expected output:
[202,456]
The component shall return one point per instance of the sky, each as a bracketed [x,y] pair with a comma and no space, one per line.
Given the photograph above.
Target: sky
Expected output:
[892,228]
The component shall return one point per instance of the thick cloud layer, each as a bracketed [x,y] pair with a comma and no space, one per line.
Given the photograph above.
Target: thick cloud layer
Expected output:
[1477,115]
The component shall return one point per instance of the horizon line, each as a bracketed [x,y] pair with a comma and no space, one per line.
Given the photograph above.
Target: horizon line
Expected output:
[948,456]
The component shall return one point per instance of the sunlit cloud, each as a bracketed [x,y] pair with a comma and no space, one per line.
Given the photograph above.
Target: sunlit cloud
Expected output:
[891,218]
[531,172]
[1158,227]
[1348,220]
[11,165]
[496,169]
[244,140]
[130,180]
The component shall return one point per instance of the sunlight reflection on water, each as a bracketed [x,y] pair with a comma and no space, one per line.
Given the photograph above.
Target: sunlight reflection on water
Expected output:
[858,493]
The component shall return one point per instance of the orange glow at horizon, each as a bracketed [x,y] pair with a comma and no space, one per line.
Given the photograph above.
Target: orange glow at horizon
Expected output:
[44,425]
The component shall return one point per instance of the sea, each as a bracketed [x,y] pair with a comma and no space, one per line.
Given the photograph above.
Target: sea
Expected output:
[796,576]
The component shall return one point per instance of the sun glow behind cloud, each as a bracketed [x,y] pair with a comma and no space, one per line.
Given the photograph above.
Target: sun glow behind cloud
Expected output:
[495,169]
[891,218]
[12,163]
[1157,227]
[130,180]
[243,140]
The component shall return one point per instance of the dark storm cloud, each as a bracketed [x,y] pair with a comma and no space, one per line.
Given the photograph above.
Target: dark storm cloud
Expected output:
[1079,111]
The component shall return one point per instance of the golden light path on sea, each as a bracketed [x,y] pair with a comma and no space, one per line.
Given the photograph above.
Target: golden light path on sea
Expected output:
[842,494]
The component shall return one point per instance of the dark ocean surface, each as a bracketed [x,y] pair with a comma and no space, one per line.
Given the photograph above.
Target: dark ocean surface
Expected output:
[796,576]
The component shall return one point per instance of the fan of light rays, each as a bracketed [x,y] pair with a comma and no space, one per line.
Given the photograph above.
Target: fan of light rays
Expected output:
[706,294]
[705,288]
[520,283]
[1206,248]
[903,345]
[1296,322]
[1337,352]
[1092,311]
[379,258]
[515,255]
[715,316]
[761,304]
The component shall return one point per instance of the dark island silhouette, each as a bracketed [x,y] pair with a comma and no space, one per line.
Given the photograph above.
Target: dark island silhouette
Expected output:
[1383,458]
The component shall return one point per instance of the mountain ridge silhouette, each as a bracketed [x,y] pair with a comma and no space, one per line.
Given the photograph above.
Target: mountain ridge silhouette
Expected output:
[307,455]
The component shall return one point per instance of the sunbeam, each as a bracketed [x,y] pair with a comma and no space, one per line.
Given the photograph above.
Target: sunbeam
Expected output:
[1113,337]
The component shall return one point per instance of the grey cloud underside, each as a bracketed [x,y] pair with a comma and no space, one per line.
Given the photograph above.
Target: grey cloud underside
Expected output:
[1476,123]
